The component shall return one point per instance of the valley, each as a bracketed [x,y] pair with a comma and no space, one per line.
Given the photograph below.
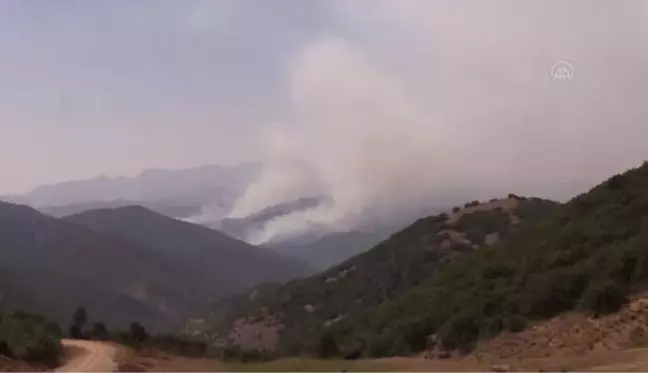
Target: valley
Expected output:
[323,185]
[514,283]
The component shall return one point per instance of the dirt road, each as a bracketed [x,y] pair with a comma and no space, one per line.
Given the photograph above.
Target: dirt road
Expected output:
[88,356]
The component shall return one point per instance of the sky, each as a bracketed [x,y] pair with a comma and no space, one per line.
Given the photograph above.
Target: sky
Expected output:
[380,103]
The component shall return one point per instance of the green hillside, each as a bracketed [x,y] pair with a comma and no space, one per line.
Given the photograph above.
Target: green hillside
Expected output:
[589,256]
[288,319]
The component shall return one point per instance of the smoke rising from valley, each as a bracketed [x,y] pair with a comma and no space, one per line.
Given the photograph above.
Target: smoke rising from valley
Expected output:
[387,108]
[468,109]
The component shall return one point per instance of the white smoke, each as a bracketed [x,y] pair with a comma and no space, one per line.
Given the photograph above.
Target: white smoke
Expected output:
[458,104]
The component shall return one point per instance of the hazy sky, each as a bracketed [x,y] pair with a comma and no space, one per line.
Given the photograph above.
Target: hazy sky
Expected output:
[111,87]
[351,96]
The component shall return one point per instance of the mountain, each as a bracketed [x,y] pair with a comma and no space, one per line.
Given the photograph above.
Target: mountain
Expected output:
[333,248]
[125,264]
[227,264]
[177,210]
[590,256]
[288,319]
[51,267]
[214,186]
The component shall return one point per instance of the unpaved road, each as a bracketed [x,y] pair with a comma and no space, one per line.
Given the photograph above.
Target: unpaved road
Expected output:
[88,356]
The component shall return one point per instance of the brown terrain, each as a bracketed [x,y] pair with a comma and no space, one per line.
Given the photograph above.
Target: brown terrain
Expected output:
[88,356]
[574,334]
[11,365]
[612,351]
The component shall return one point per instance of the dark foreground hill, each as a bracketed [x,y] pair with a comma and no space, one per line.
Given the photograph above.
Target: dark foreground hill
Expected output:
[227,265]
[52,267]
[127,264]
[590,256]
[289,319]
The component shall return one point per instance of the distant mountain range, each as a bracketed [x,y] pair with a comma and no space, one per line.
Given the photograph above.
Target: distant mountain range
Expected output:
[205,195]
[171,208]
[179,193]
[125,264]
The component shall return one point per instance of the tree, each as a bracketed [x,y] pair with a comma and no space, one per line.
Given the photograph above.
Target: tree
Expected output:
[138,332]
[75,332]
[80,317]
[327,347]
[79,320]
[99,331]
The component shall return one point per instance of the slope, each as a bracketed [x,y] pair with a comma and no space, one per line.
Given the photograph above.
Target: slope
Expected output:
[51,267]
[590,256]
[228,265]
[332,248]
[288,319]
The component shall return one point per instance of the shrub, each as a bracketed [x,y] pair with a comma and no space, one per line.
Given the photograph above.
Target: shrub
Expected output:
[327,347]
[605,298]
[29,337]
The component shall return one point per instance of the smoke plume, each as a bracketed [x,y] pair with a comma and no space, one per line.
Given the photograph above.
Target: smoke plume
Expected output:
[459,105]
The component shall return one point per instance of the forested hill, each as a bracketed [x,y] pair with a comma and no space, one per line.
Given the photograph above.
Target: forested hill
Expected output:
[288,318]
[590,256]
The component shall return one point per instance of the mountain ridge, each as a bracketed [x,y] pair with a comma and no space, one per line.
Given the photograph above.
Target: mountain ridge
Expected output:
[219,257]
[72,263]
[286,318]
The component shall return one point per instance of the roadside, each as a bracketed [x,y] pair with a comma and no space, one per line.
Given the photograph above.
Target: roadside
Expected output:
[11,365]
[632,360]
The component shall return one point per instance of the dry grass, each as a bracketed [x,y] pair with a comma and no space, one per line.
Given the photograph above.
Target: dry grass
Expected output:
[396,365]
[574,334]
[632,360]
[10,365]
[315,365]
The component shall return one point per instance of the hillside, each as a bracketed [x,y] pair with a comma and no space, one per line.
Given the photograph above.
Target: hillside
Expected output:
[288,319]
[51,267]
[332,248]
[227,265]
[589,257]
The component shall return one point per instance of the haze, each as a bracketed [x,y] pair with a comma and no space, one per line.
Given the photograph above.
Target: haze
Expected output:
[383,105]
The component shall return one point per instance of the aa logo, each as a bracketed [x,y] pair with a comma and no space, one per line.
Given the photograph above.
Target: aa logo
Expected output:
[562,70]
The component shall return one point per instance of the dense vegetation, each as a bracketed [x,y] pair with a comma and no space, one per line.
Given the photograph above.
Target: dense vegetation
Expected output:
[29,337]
[590,256]
[305,308]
